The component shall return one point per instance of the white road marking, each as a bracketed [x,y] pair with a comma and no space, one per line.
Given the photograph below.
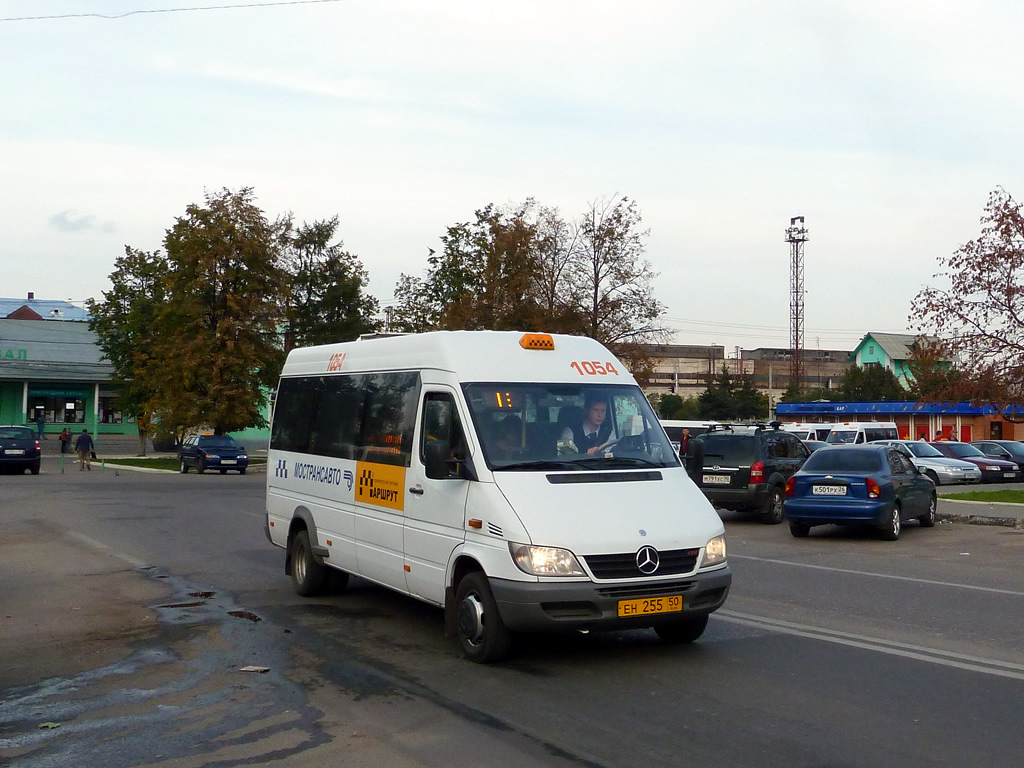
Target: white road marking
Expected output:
[134,562]
[919,652]
[1015,593]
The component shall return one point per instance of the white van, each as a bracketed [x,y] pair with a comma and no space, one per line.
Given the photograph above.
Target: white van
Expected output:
[862,432]
[674,429]
[809,431]
[445,465]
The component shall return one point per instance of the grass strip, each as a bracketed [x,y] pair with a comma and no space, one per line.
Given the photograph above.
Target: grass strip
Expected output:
[993,497]
[165,462]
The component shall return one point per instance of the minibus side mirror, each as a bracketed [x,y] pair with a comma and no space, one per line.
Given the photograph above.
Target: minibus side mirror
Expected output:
[440,466]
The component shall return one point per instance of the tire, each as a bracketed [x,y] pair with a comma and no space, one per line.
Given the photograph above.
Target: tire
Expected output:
[308,576]
[685,631]
[34,470]
[930,474]
[774,510]
[892,525]
[799,530]
[927,520]
[183,468]
[241,471]
[482,634]
[201,466]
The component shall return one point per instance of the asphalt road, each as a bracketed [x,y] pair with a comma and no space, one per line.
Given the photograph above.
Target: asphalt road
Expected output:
[133,601]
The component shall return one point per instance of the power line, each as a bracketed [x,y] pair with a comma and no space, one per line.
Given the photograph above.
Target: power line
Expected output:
[165,10]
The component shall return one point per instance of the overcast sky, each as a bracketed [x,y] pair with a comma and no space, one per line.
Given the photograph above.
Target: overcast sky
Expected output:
[884,124]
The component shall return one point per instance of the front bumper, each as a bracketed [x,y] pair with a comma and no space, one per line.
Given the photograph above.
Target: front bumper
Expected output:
[532,606]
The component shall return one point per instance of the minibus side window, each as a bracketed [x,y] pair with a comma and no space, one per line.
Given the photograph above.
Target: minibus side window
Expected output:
[389,416]
[335,430]
[294,410]
[441,424]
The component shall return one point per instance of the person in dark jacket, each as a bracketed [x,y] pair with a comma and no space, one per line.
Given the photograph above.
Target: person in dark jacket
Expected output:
[84,447]
[594,431]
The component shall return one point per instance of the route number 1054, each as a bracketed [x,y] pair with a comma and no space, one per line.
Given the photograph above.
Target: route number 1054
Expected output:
[594,368]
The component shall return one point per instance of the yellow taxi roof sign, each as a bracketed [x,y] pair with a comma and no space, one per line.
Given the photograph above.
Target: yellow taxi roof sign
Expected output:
[537,341]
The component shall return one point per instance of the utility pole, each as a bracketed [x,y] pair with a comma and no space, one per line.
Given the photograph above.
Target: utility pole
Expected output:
[796,236]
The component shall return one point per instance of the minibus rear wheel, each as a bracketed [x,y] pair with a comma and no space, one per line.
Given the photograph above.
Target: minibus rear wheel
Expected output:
[482,634]
[308,576]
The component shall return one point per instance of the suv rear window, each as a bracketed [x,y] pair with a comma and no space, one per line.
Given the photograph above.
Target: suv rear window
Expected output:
[17,433]
[843,460]
[730,449]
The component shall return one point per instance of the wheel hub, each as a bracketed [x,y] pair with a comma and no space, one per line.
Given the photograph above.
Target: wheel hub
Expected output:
[470,619]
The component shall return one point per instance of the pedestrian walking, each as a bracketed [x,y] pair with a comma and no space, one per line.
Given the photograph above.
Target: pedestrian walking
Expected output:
[40,423]
[84,447]
[65,435]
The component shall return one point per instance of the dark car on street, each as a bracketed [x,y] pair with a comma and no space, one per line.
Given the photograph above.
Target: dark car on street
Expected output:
[746,468]
[19,449]
[872,485]
[220,452]
[992,470]
[1008,450]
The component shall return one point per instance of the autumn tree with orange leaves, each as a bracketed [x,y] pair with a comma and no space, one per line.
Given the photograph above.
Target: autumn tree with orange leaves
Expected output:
[979,318]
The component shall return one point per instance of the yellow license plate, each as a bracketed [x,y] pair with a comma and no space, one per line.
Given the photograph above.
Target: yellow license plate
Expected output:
[648,605]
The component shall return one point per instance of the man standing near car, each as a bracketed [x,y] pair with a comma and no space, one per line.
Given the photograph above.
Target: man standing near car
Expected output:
[84,447]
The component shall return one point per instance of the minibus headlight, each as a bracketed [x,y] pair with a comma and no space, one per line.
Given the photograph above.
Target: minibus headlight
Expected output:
[545,561]
[714,552]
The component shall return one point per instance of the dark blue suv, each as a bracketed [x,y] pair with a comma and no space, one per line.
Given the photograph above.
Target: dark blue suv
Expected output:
[212,452]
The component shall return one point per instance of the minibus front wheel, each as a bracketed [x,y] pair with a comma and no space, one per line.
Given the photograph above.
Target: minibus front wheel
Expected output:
[482,634]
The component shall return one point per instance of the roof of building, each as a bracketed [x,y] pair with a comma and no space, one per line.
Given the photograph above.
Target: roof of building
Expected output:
[897,346]
[45,309]
[34,350]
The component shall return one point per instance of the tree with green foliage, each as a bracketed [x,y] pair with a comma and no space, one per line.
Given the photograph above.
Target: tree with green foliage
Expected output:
[325,299]
[123,323]
[870,384]
[727,399]
[525,268]
[672,406]
[216,342]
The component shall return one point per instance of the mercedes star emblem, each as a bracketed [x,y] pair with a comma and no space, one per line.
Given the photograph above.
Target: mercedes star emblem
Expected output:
[647,560]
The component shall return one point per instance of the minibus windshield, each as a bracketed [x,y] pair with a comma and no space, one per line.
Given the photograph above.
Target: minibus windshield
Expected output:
[542,426]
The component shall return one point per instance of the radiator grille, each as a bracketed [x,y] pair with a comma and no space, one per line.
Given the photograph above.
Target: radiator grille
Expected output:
[623,566]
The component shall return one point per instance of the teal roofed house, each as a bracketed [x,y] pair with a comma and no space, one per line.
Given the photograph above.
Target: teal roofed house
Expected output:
[889,350]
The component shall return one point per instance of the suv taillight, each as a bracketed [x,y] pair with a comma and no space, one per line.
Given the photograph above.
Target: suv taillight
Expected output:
[790,485]
[38,447]
[757,472]
[873,490]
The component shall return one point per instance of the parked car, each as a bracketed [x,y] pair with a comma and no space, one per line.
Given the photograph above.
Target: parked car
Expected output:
[674,429]
[941,469]
[992,470]
[813,445]
[809,431]
[870,484]
[746,468]
[205,452]
[19,449]
[1008,450]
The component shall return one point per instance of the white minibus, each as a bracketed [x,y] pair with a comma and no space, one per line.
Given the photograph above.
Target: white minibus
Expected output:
[521,481]
[862,432]
[809,431]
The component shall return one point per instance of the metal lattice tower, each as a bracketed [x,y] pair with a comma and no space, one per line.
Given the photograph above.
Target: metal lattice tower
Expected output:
[796,236]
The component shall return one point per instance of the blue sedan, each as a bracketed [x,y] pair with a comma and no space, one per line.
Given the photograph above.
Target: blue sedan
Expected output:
[866,484]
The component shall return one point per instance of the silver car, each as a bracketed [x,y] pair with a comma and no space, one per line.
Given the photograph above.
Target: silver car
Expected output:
[942,470]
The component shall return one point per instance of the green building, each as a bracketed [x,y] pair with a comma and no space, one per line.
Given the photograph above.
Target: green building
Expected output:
[51,365]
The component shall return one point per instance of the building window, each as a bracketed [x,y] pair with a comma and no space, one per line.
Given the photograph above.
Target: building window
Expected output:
[110,411]
[57,410]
